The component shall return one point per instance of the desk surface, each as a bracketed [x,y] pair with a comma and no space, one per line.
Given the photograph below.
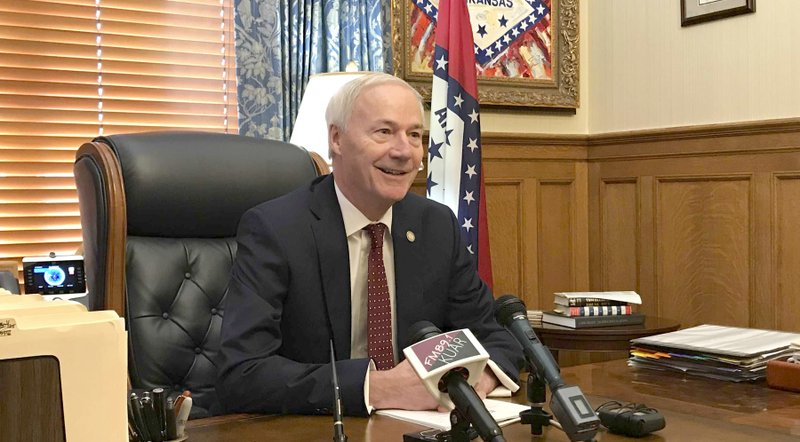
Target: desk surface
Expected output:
[695,409]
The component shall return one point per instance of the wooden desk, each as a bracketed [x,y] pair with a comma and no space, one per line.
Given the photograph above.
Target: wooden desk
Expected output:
[695,409]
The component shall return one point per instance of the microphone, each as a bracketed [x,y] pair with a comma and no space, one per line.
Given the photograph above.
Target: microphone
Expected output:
[449,363]
[570,407]
[338,425]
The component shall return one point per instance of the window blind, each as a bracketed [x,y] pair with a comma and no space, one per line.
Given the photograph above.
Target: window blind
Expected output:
[73,69]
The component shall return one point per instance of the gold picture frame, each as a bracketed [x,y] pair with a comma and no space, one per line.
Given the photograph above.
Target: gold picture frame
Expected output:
[557,87]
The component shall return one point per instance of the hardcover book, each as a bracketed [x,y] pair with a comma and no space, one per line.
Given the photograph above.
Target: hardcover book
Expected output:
[625,297]
[594,311]
[586,302]
[592,321]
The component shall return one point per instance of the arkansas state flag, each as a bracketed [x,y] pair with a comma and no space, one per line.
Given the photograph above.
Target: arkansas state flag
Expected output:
[454,152]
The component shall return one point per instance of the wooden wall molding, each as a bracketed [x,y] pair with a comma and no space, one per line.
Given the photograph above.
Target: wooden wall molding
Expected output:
[743,128]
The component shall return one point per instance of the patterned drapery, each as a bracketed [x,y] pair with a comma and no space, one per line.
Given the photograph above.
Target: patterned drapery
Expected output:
[280,43]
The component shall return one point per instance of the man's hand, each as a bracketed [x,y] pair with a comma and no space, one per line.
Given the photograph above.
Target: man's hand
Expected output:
[399,387]
[487,383]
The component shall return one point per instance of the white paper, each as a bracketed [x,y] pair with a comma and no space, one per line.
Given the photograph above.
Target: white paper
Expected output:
[721,340]
[503,412]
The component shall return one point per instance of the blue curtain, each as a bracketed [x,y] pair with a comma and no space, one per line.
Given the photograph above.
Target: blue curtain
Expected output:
[280,43]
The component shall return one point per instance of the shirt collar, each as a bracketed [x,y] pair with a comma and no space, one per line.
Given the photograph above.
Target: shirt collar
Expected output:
[353,219]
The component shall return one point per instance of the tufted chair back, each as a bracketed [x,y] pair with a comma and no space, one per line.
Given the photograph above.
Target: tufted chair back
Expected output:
[159,213]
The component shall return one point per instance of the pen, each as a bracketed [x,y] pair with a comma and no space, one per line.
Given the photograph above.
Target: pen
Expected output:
[138,417]
[172,429]
[133,436]
[150,419]
[160,405]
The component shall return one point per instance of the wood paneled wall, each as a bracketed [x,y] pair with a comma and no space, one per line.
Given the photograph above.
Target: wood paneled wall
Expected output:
[537,191]
[701,221]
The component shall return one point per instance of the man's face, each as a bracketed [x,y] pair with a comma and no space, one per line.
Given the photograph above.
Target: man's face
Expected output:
[377,157]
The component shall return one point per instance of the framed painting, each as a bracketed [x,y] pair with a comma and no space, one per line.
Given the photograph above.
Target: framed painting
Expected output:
[699,11]
[526,51]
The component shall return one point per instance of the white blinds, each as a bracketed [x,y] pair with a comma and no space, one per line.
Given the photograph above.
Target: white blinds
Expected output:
[72,69]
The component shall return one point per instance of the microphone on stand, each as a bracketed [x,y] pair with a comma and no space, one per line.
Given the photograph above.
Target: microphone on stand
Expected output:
[338,425]
[569,405]
[448,365]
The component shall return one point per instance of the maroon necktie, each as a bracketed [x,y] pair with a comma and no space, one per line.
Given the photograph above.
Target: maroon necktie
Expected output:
[379,308]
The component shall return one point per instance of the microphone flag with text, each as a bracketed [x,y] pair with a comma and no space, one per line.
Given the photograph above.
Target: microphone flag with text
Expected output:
[449,364]
[568,404]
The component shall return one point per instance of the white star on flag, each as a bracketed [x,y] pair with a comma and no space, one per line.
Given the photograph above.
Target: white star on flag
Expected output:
[471,171]
[468,197]
[467,224]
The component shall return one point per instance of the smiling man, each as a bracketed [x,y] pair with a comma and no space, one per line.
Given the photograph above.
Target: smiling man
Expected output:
[353,258]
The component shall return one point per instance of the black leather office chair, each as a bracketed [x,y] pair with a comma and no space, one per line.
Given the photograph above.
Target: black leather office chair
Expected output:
[159,213]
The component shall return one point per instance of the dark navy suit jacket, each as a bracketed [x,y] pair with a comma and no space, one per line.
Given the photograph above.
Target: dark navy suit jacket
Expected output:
[289,295]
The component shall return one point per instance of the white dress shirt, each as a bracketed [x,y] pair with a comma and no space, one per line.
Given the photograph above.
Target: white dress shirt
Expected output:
[358,246]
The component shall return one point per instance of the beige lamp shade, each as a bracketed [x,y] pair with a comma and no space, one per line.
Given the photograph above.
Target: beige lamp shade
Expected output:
[310,130]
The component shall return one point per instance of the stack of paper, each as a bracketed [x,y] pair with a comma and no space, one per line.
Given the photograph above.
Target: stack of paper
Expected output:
[728,353]
[796,349]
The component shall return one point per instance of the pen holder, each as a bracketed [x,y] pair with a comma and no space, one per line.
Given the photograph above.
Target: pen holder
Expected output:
[158,417]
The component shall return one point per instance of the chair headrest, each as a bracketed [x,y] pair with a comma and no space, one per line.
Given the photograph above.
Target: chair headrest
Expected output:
[198,184]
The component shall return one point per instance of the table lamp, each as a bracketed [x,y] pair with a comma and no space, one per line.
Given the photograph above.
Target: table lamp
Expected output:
[310,130]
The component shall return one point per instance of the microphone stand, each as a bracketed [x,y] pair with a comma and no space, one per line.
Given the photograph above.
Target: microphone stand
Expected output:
[459,429]
[338,425]
[536,417]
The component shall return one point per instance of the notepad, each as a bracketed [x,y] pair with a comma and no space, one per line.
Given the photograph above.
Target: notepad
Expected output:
[503,412]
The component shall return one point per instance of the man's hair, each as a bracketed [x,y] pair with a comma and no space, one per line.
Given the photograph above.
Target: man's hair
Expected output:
[341,105]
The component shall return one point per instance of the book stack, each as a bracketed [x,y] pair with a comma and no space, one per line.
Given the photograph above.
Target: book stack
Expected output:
[594,309]
[713,351]
[535,318]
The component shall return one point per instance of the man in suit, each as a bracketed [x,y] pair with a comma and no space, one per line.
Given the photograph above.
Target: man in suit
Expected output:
[300,278]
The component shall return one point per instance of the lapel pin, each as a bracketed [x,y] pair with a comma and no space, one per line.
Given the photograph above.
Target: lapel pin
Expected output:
[410,236]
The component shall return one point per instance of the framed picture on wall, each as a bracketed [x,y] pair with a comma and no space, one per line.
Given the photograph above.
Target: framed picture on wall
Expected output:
[699,11]
[526,51]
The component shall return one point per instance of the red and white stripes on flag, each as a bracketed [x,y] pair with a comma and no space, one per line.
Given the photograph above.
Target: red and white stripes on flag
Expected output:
[454,151]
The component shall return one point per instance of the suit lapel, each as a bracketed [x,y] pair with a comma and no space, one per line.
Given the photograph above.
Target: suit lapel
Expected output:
[407,237]
[333,260]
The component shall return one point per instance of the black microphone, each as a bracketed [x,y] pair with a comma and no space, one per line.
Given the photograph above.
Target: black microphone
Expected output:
[464,397]
[338,425]
[568,404]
